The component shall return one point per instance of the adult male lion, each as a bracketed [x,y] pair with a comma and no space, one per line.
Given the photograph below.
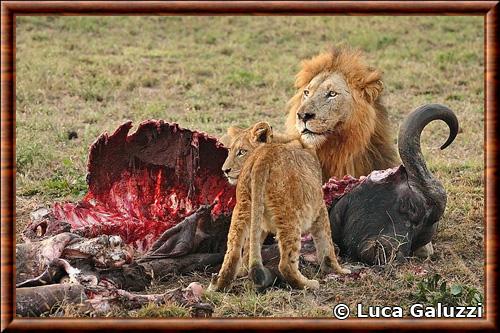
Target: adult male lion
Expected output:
[337,108]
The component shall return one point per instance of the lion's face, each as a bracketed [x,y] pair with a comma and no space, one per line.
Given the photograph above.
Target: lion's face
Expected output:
[326,103]
[241,143]
[337,109]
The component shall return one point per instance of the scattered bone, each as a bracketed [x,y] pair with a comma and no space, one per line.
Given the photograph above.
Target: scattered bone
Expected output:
[98,296]
[44,224]
[54,272]
[101,299]
[103,251]
[106,297]
[33,259]
[49,260]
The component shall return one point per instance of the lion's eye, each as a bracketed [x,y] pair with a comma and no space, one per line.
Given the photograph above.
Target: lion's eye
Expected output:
[241,152]
[331,94]
[306,92]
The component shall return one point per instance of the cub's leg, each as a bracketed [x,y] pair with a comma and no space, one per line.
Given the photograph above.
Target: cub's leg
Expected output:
[322,235]
[243,269]
[289,245]
[245,265]
[238,231]
[261,276]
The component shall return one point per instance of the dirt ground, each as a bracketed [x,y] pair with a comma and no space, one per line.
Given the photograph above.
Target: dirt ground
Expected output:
[89,74]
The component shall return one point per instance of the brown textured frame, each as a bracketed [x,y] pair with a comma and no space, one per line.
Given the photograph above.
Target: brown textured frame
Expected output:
[10,9]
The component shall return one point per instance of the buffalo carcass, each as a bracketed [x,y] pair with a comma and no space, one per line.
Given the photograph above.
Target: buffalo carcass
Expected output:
[392,213]
[146,186]
[144,183]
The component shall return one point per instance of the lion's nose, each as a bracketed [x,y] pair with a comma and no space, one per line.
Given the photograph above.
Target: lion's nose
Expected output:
[226,171]
[305,116]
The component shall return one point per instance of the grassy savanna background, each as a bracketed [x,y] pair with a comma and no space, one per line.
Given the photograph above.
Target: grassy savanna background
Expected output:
[90,74]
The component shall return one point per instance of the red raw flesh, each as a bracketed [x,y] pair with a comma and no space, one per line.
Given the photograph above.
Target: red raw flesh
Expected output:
[144,183]
[335,188]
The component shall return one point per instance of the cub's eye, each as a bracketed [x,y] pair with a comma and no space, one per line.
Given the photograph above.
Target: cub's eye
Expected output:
[241,152]
[306,92]
[331,94]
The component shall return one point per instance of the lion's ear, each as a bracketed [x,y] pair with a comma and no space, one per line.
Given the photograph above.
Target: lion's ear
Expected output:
[373,86]
[262,132]
[233,131]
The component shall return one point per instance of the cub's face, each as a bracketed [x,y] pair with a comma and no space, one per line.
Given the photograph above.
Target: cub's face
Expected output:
[326,103]
[241,143]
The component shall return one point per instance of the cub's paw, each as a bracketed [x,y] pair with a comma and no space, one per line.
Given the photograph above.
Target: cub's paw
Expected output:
[242,271]
[312,284]
[214,285]
[344,271]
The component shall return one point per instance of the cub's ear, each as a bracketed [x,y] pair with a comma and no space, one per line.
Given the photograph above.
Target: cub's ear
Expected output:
[262,132]
[233,131]
[373,85]
[226,140]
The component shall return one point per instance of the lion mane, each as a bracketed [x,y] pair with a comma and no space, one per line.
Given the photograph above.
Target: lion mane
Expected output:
[363,142]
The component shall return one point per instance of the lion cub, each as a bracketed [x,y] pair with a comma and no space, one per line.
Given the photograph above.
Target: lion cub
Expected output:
[279,191]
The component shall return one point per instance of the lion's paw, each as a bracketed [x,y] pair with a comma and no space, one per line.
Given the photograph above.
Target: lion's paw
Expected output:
[312,284]
[344,271]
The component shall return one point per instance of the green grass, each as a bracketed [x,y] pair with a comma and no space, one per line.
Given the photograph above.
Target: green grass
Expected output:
[90,74]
